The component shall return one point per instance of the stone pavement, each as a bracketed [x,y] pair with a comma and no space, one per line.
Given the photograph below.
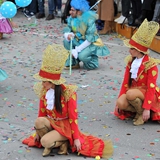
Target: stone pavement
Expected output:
[21,56]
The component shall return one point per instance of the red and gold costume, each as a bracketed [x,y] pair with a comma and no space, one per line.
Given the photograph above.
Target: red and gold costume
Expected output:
[67,125]
[146,82]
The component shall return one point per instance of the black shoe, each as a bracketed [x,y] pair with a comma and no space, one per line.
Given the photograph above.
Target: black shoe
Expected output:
[25,10]
[58,14]
[50,17]
[55,13]
[40,15]
[77,66]
[29,14]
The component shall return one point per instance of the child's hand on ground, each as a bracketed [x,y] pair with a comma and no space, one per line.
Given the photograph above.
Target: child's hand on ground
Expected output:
[14,25]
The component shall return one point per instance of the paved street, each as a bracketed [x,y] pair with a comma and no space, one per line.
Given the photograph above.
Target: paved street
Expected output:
[21,56]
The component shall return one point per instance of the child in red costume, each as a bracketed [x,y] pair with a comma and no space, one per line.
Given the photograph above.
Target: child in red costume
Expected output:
[57,122]
[139,96]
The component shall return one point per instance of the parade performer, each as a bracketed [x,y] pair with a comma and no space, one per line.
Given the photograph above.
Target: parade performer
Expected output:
[3,75]
[86,43]
[57,122]
[6,24]
[139,94]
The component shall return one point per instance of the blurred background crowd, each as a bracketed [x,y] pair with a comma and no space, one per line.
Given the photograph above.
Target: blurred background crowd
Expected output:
[131,12]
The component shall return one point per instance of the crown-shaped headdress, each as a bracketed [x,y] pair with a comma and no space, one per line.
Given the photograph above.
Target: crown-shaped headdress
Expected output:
[81,5]
[143,37]
[53,62]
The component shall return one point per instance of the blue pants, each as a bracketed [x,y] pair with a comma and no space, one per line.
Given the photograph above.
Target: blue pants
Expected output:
[90,60]
[33,6]
[58,4]
[50,6]
[156,15]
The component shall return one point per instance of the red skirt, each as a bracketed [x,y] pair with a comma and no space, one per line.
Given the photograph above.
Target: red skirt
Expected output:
[155,109]
[91,146]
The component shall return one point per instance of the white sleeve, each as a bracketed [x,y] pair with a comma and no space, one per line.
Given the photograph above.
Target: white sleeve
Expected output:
[85,44]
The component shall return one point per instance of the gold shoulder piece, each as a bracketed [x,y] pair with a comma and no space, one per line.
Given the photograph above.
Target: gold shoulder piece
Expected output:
[69,91]
[39,90]
[128,59]
[151,63]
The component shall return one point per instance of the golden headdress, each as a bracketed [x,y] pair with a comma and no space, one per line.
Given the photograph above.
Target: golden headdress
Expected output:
[53,62]
[143,37]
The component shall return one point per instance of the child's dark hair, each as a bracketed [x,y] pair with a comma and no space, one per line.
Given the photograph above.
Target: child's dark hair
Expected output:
[130,79]
[58,93]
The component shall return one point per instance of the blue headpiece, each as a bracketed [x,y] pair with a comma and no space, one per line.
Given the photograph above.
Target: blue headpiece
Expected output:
[81,5]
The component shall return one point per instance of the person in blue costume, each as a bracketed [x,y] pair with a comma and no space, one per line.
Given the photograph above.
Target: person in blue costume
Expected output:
[3,75]
[86,43]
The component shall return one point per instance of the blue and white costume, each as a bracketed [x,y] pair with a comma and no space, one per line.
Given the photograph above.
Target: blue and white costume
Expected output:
[86,44]
[3,75]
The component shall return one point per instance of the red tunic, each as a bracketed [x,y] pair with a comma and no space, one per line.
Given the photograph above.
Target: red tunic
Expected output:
[146,81]
[68,126]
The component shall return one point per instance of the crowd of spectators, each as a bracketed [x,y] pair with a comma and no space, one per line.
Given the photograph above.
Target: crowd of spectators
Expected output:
[132,12]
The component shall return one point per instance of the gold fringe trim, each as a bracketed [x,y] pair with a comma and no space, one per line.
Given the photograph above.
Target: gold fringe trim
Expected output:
[69,91]
[108,149]
[152,62]
[39,90]
[128,59]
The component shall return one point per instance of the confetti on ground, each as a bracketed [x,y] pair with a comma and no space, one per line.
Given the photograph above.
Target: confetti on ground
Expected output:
[21,56]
